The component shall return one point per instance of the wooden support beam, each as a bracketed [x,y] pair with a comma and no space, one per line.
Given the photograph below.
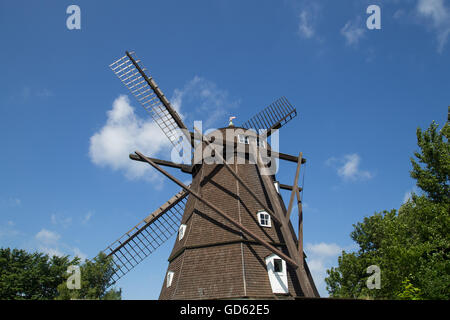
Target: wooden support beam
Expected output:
[285,156]
[302,276]
[246,187]
[185,168]
[288,187]
[279,155]
[271,248]
[300,228]
[295,186]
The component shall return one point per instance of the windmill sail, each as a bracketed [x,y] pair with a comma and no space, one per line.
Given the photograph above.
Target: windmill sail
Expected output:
[272,117]
[235,237]
[131,72]
[135,245]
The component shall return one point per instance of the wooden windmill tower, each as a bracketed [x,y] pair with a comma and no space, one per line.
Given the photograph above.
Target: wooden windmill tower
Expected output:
[234,235]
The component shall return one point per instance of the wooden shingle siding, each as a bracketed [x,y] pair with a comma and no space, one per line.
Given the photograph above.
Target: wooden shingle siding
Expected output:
[215,260]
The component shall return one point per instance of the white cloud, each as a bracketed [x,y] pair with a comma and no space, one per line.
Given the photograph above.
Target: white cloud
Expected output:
[205,101]
[408,194]
[44,93]
[308,17]
[87,217]
[124,133]
[320,257]
[51,251]
[12,201]
[47,237]
[439,16]
[8,231]
[16,201]
[62,221]
[77,252]
[398,14]
[27,93]
[324,249]
[306,208]
[50,243]
[348,167]
[353,32]
[305,27]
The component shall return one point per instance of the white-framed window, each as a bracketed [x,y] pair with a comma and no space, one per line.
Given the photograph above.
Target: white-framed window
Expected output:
[277,265]
[276,269]
[243,139]
[264,219]
[181,231]
[261,143]
[169,278]
[246,140]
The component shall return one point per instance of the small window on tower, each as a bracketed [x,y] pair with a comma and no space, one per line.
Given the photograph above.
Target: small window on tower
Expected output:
[261,143]
[169,278]
[181,231]
[243,139]
[277,272]
[264,219]
[277,265]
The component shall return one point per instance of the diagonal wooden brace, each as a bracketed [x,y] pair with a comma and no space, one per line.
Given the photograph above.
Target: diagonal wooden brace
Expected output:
[294,186]
[220,212]
[302,276]
[300,228]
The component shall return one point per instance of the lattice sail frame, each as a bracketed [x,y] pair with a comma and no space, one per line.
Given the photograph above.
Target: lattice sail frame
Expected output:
[272,117]
[130,71]
[142,240]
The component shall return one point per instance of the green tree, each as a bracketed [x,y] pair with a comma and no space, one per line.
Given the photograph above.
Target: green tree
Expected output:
[409,291]
[37,276]
[410,245]
[95,281]
[433,177]
[30,275]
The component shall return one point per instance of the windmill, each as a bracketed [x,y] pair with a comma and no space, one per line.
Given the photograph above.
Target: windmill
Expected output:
[234,234]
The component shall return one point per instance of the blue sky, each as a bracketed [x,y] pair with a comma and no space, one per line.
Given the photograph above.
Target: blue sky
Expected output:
[67,126]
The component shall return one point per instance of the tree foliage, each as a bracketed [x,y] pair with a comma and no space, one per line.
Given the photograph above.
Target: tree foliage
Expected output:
[37,276]
[30,275]
[95,280]
[433,177]
[410,245]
